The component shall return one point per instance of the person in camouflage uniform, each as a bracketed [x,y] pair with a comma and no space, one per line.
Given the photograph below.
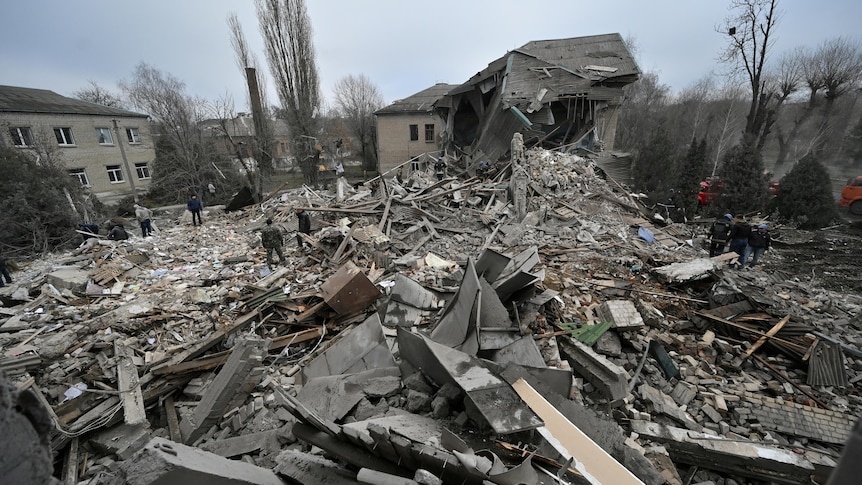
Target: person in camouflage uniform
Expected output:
[272,240]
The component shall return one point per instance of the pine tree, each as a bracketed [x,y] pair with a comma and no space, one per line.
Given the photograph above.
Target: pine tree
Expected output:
[805,195]
[744,186]
[689,175]
[655,163]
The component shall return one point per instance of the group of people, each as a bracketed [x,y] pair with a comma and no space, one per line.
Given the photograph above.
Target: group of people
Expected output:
[272,238]
[748,242]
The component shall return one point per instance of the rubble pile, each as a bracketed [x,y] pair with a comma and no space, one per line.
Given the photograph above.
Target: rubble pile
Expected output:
[427,335]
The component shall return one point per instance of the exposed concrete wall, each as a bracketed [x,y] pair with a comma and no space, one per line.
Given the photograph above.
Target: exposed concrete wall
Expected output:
[393,137]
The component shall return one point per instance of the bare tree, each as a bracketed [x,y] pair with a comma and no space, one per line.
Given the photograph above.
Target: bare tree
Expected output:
[357,99]
[694,101]
[286,30]
[186,158]
[840,65]
[646,103]
[727,115]
[99,95]
[750,30]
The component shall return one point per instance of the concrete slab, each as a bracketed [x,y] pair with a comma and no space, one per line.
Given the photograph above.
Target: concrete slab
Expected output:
[747,459]
[412,293]
[240,445]
[523,351]
[362,348]
[74,279]
[123,440]
[163,462]
[493,397]
[608,377]
[457,318]
[308,468]
[664,404]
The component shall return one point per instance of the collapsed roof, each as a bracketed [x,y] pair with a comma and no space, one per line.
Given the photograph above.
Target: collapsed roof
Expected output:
[556,92]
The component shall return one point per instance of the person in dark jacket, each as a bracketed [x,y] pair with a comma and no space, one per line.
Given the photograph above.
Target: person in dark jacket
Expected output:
[118,233]
[758,243]
[719,233]
[304,224]
[4,272]
[739,238]
[93,230]
[195,208]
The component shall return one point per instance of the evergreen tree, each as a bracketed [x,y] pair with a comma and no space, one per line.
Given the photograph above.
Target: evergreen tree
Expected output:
[744,187]
[805,195]
[34,212]
[655,163]
[689,175]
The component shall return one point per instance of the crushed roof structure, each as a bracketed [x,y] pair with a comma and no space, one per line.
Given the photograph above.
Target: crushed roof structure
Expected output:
[423,101]
[562,92]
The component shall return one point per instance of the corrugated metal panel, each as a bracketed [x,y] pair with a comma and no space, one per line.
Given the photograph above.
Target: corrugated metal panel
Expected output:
[826,366]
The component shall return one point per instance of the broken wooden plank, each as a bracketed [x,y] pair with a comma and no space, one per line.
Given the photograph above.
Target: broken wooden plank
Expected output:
[594,463]
[70,464]
[173,421]
[129,386]
[762,340]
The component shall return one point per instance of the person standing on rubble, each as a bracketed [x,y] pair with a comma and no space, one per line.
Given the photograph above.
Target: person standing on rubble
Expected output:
[195,207]
[739,233]
[719,233]
[143,215]
[272,240]
[440,168]
[4,272]
[758,242]
[304,225]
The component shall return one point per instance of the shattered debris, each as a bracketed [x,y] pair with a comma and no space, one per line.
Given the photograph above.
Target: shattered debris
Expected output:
[422,338]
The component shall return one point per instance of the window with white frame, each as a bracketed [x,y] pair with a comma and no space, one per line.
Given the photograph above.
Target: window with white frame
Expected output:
[143,170]
[104,136]
[115,173]
[81,175]
[133,135]
[21,136]
[64,136]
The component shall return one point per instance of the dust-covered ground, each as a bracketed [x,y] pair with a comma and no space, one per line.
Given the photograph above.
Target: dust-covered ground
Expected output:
[830,258]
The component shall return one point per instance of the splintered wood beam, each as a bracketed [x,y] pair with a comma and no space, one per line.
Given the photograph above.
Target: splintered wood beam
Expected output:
[129,386]
[337,256]
[750,330]
[762,340]
[173,421]
[385,214]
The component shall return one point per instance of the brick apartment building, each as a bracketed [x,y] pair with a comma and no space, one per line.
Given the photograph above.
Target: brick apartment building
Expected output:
[89,139]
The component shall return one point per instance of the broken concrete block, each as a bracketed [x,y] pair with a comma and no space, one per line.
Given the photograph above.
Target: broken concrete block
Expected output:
[608,377]
[382,386]
[417,382]
[622,313]
[417,402]
[424,477]
[237,378]
[240,445]
[664,404]
[683,393]
[123,440]
[74,279]
[374,477]
[162,462]
[307,468]
[523,351]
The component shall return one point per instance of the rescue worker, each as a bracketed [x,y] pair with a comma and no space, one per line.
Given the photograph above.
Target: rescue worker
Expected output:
[304,225]
[440,168]
[719,233]
[739,233]
[758,242]
[272,240]
[143,215]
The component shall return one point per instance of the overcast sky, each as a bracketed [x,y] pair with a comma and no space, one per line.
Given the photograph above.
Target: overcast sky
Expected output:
[403,46]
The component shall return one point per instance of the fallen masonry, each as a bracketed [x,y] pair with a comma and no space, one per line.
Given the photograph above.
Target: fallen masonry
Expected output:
[431,335]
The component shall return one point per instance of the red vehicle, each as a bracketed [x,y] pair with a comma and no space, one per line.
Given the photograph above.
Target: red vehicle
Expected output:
[711,187]
[709,190]
[851,196]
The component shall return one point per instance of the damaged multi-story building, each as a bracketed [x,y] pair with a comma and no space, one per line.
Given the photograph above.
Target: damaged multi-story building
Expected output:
[564,92]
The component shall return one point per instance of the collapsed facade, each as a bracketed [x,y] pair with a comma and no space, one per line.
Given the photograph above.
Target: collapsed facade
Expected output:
[557,93]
